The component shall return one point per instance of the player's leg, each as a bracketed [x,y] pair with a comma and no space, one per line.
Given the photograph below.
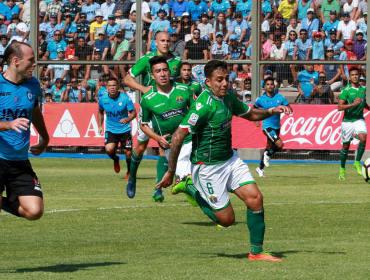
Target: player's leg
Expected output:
[348,129]
[126,144]
[274,144]
[111,141]
[162,166]
[361,132]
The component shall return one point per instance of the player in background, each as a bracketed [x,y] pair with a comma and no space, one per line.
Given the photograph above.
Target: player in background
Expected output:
[216,167]
[271,125]
[116,105]
[165,107]
[19,103]
[185,78]
[352,101]
[142,67]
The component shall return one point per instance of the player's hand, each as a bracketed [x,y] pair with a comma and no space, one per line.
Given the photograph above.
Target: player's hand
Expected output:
[357,101]
[163,142]
[166,181]
[146,89]
[282,109]
[37,149]
[101,130]
[124,121]
[19,124]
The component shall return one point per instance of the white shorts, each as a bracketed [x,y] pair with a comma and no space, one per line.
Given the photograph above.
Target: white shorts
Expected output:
[215,181]
[349,129]
[141,136]
[183,167]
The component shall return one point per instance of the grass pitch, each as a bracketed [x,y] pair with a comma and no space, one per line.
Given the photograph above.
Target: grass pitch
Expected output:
[316,223]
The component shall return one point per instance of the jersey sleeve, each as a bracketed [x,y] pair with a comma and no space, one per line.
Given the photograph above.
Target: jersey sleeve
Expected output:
[145,111]
[284,101]
[343,95]
[139,67]
[257,103]
[197,116]
[130,104]
[100,102]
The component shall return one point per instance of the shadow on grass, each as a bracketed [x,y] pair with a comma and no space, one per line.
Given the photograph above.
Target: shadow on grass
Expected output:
[281,255]
[58,268]
[205,224]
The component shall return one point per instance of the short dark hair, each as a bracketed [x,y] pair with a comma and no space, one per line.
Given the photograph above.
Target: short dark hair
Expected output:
[268,79]
[185,63]
[354,68]
[112,79]
[156,60]
[214,65]
[14,49]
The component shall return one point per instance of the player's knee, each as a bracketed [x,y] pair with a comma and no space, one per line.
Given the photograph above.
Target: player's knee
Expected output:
[226,221]
[33,213]
[255,202]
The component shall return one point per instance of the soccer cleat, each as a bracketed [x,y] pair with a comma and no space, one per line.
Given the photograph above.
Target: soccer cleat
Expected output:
[342,174]
[357,166]
[117,167]
[263,256]
[131,189]
[180,187]
[157,196]
[266,159]
[260,172]
[127,176]
[219,226]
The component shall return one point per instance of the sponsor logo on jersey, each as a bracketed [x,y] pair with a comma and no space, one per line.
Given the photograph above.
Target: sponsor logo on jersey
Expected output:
[198,106]
[179,99]
[193,119]
[213,199]
[171,113]
[30,96]
[9,114]
[115,114]
[226,124]
[161,104]
[5,93]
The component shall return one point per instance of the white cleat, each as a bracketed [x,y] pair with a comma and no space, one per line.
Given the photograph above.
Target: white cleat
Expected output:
[266,159]
[260,172]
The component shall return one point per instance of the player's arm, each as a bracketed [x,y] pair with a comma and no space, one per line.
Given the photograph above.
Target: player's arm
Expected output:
[132,83]
[130,117]
[176,144]
[343,106]
[39,123]
[100,121]
[160,139]
[261,114]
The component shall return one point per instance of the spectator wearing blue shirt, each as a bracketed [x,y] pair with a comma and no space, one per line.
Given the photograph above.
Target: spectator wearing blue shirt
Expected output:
[306,79]
[111,27]
[2,8]
[51,27]
[288,55]
[129,27]
[11,9]
[302,45]
[310,23]
[3,27]
[90,8]
[363,25]
[68,27]
[332,23]
[219,49]
[175,26]
[266,9]
[317,50]
[240,28]
[179,7]
[196,8]
[221,24]
[74,92]
[3,44]
[218,6]
[245,7]
[53,46]
[157,6]
[83,27]
[103,45]
[160,24]
[72,7]
[335,44]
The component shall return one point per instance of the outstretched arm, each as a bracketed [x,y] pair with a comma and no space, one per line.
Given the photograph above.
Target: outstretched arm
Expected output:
[176,144]
[258,114]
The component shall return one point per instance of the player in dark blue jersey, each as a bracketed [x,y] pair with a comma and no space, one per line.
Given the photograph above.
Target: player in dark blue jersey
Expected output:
[271,126]
[116,105]
[19,95]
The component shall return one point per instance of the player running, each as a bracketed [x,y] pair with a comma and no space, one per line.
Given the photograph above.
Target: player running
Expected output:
[116,105]
[20,93]
[142,67]
[271,125]
[352,101]
[185,78]
[216,167]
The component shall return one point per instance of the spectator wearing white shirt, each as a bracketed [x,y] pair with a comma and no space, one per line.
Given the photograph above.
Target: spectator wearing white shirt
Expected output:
[58,70]
[16,29]
[107,9]
[351,7]
[346,28]
[145,11]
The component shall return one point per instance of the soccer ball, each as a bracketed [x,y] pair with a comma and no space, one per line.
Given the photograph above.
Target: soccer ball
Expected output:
[366,170]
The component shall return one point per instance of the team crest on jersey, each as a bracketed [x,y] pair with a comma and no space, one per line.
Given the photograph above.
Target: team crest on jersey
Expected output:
[120,104]
[174,68]
[30,96]
[213,199]
[179,99]
[277,101]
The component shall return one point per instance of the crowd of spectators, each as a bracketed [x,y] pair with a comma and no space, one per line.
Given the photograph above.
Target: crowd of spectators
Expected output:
[310,30]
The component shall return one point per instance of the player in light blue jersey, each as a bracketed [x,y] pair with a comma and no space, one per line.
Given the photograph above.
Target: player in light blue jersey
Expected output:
[116,105]
[271,126]
[19,105]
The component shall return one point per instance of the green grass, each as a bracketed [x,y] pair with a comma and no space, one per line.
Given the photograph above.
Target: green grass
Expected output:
[318,224]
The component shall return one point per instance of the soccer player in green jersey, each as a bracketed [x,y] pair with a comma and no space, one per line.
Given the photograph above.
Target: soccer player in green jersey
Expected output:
[185,78]
[216,167]
[352,101]
[142,67]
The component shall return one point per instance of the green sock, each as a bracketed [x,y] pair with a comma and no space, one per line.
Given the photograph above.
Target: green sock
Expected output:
[201,202]
[343,157]
[360,151]
[134,166]
[162,166]
[256,225]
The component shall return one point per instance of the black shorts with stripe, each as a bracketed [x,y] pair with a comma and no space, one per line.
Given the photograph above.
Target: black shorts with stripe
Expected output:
[272,134]
[124,138]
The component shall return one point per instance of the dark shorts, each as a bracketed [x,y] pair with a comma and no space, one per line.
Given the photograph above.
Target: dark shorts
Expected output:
[272,134]
[18,179]
[124,138]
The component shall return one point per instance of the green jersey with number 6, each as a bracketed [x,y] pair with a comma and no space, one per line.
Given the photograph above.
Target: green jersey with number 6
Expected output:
[142,67]
[209,122]
[349,94]
[166,110]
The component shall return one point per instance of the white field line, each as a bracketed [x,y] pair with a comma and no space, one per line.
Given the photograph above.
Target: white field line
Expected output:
[186,204]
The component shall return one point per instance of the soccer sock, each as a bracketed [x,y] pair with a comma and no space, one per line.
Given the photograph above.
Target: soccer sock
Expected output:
[128,163]
[273,150]
[343,157]
[162,166]
[135,162]
[113,156]
[10,207]
[360,151]
[201,202]
[262,164]
[256,225]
